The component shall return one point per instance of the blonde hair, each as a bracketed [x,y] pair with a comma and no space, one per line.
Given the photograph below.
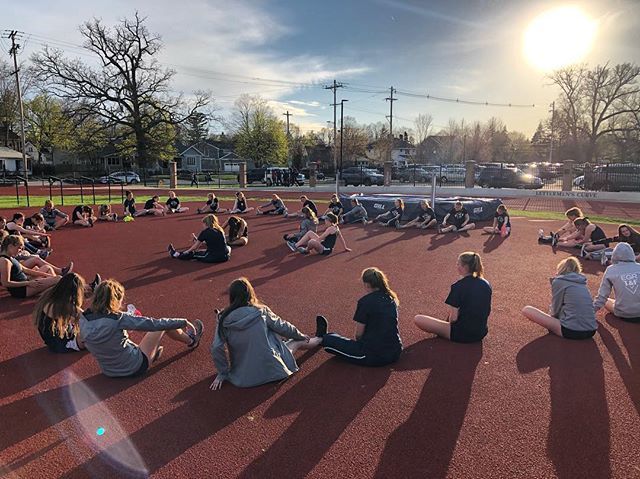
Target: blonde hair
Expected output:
[375,278]
[569,265]
[48,204]
[575,212]
[473,262]
[211,221]
[11,240]
[108,297]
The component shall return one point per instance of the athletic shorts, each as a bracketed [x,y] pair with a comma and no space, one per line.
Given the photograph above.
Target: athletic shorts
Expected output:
[572,334]
[143,367]
[326,251]
[63,345]
[460,335]
[19,292]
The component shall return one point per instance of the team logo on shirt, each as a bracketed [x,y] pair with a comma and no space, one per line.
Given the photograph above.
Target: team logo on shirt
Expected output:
[630,282]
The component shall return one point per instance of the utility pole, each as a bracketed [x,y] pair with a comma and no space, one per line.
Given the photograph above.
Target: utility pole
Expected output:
[391,99]
[335,87]
[553,115]
[13,34]
[287,114]
[341,128]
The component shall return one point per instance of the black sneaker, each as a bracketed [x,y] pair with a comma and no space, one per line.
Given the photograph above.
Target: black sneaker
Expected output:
[302,250]
[96,281]
[195,337]
[292,245]
[322,325]
[67,269]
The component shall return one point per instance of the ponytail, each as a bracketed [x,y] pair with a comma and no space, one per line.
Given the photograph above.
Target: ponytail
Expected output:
[378,280]
[473,262]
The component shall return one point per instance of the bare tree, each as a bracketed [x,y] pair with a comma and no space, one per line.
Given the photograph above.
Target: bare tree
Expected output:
[423,129]
[129,90]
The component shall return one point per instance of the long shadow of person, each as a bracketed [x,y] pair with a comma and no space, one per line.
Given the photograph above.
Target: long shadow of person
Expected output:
[628,368]
[435,423]
[578,441]
[442,239]
[492,243]
[326,401]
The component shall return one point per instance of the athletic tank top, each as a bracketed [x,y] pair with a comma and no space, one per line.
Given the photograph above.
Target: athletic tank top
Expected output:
[330,241]
[16,274]
[242,205]
[597,234]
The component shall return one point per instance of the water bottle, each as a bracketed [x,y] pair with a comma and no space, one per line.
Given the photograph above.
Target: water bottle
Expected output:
[133,311]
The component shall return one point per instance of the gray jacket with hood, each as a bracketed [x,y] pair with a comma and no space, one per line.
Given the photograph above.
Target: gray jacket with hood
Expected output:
[256,352]
[571,302]
[106,338]
[623,277]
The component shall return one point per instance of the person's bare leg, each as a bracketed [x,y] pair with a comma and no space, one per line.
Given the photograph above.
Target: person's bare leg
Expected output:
[430,224]
[448,229]
[239,241]
[543,319]
[433,325]
[467,227]
[41,285]
[150,343]
[309,235]
[46,268]
[302,344]
[315,245]
[179,335]
[610,305]
[490,230]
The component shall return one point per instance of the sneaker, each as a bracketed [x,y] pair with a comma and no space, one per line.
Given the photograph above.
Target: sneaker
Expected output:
[540,233]
[603,259]
[158,354]
[67,269]
[171,250]
[322,325]
[583,251]
[302,250]
[292,245]
[44,254]
[554,238]
[115,217]
[96,281]
[195,337]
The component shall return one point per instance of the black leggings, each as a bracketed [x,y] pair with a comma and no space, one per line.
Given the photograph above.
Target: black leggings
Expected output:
[206,256]
[352,351]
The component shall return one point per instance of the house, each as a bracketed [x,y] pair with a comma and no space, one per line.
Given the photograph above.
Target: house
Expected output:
[321,155]
[231,162]
[403,151]
[11,160]
[201,156]
[10,139]
[437,148]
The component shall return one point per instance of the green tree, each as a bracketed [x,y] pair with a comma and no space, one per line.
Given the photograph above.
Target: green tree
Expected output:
[49,126]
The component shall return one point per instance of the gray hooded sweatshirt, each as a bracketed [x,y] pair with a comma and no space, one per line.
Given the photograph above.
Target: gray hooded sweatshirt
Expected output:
[571,302]
[257,354]
[106,338]
[623,276]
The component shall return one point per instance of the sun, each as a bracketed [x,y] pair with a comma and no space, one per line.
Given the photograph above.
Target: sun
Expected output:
[559,37]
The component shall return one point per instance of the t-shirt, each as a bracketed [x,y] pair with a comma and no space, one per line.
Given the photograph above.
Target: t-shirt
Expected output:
[379,313]
[173,203]
[242,204]
[104,210]
[457,217]
[336,208]
[426,215]
[213,204]
[77,213]
[29,224]
[150,204]
[51,215]
[501,218]
[216,242]
[472,297]
[311,205]
[597,235]
[130,205]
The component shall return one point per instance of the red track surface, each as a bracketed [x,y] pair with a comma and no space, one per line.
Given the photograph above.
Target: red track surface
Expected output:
[522,404]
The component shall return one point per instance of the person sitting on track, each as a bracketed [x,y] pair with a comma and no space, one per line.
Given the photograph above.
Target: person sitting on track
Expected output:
[623,277]
[322,244]
[238,231]
[130,206]
[57,313]
[501,223]
[217,250]
[392,217]
[240,205]
[211,206]
[103,329]
[626,234]
[82,215]
[105,214]
[275,207]
[34,242]
[426,218]
[357,214]
[22,281]
[571,314]
[173,204]
[53,216]
[248,347]
[377,338]
[567,232]
[36,224]
[335,207]
[469,304]
[308,223]
[305,202]
[589,232]
[458,216]
[153,206]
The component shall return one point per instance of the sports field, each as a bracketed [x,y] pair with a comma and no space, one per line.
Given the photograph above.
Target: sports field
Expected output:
[522,404]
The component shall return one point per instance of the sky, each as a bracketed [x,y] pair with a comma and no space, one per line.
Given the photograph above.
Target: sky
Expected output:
[286,51]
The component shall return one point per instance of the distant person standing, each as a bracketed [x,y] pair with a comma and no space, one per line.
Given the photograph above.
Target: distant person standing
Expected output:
[194,179]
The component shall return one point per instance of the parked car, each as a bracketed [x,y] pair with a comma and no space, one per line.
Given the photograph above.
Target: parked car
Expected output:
[357,176]
[126,177]
[613,177]
[508,178]
[452,174]
[422,174]
[578,182]
[254,175]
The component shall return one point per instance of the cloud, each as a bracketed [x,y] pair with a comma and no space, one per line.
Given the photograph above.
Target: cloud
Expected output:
[306,103]
[428,13]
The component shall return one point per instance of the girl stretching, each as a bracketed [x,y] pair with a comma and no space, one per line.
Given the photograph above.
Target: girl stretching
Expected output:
[308,223]
[469,304]
[306,202]
[377,339]
[426,217]
[53,216]
[393,216]
[501,223]
[173,204]
[33,239]
[567,232]
[240,205]
[82,215]
[571,314]
[238,231]
[248,346]
[153,207]
[275,207]
[130,206]
[323,244]
[621,277]
[213,238]
[104,331]
[211,206]
[626,234]
[105,214]
[335,207]
[458,216]
[357,214]
[587,232]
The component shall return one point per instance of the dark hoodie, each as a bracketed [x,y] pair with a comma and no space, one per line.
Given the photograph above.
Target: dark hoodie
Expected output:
[571,302]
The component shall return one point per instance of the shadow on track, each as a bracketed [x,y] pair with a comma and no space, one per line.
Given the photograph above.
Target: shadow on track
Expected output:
[492,243]
[579,438]
[437,418]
